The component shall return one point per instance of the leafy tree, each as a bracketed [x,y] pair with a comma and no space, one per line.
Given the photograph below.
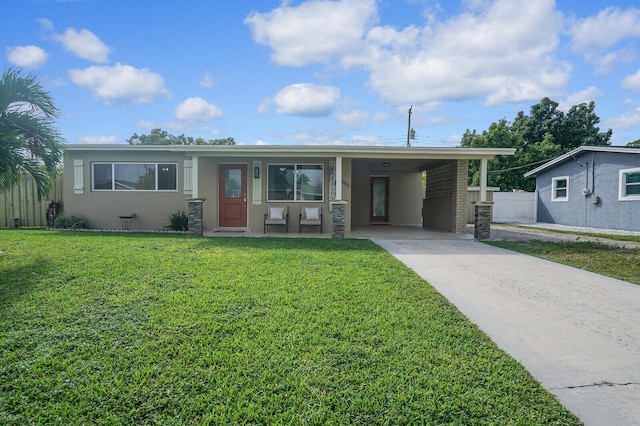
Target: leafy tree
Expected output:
[29,141]
[162,137]
[634,144]
[538,137]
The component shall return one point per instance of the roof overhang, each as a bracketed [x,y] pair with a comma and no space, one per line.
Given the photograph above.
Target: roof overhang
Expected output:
[308,151]
[564,157]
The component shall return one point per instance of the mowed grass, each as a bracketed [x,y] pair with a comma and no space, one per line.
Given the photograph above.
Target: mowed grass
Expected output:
[159,329]
[604,259]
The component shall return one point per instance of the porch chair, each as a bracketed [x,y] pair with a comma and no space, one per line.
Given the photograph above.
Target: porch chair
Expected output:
[310,216]
[277,216]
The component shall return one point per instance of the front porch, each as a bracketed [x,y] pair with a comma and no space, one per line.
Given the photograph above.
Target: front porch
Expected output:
[384,232]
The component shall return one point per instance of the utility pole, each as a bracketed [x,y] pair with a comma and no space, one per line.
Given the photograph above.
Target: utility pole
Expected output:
[409,127]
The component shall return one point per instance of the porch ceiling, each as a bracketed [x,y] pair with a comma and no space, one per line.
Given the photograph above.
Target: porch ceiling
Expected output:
[397,165]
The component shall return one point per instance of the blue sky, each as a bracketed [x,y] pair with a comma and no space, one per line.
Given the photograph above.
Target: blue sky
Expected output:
[323,72]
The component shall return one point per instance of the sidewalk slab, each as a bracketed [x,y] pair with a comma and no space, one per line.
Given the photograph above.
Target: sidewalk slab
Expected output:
[577,332]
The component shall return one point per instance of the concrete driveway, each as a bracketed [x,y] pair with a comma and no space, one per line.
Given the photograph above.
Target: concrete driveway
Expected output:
[578,333]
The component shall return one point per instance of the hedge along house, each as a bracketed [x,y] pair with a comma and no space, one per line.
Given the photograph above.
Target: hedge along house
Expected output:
[591,186]
[230,187]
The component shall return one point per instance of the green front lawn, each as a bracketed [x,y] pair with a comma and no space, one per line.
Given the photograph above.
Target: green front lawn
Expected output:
[99,328]
[612,261]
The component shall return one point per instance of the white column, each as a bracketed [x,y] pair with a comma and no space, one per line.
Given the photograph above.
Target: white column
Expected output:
[194,177]
[338,178]
[483,180]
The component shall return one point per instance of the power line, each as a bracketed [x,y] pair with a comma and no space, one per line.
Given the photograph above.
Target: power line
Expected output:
[520,167]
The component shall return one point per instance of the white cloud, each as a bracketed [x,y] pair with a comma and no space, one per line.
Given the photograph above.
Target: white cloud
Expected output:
[504,52]
[306,99]
[207,81]
[99,139]
[587,95]
[381,117]
[354,119]
[606,29]
[84,44]
[27,56]
[265,107]
[631,82]
[120,84]
[628,120]
[313,31]
[145,124]
[595,36]
[45,24]
[452,140]
[500,50]
[197,110]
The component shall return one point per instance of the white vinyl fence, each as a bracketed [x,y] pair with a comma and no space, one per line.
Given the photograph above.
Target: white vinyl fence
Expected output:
[514,207]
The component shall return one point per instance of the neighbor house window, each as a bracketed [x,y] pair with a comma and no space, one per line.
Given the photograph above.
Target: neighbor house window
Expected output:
[295,182]
[134,177]
[629,184]
[560,188]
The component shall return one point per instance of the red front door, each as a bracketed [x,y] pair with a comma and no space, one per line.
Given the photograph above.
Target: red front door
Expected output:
[233,195]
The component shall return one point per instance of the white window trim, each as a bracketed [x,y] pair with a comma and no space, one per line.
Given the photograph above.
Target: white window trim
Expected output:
[622,183]
[295,168]
[156,163]
[553,189]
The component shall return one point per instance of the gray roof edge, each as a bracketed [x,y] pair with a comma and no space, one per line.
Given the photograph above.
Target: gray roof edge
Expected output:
[578,150]
[349,151]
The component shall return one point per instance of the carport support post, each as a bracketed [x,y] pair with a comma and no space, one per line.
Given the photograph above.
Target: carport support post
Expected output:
[483,180]
[482,229]
[338,209]
[195,215]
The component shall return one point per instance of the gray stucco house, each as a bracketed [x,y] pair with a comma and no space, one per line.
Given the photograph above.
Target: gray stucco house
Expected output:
[591,186]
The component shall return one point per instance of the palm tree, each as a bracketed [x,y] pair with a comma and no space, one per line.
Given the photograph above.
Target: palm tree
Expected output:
[29,141]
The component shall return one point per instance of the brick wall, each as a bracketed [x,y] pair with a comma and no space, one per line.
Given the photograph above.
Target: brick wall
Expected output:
[446,201]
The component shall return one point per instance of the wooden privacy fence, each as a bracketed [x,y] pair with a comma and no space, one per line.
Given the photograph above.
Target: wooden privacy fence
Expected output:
[20,206]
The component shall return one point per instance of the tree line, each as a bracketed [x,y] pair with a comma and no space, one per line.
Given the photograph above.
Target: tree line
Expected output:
[543,134]
[162,137]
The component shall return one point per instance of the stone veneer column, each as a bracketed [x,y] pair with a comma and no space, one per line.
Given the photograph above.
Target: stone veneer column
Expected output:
[482,229]
[338,209]
[195,215]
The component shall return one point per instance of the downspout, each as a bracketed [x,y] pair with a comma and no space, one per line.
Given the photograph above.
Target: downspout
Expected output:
[587,191]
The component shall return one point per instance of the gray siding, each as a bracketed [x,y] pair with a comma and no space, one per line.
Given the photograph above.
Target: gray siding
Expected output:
[599,173]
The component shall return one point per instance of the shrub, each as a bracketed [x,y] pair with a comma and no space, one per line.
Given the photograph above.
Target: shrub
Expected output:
[178,221]
[71,221]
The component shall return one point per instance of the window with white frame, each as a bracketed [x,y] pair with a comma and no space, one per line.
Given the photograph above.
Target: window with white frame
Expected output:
[295,182]
[629,184]
[134,177]
[560,188]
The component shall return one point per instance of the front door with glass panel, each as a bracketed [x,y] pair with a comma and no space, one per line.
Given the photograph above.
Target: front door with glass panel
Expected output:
[233,195]
[379,199]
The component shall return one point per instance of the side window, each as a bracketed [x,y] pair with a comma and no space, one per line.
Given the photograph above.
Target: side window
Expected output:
[560,188]
[629,186]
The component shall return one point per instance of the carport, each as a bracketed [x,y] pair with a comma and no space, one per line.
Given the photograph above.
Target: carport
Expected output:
[407,187]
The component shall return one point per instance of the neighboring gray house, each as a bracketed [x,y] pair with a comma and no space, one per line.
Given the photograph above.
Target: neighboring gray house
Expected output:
[591,186]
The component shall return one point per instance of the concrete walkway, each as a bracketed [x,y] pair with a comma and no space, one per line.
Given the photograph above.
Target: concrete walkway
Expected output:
[578,333]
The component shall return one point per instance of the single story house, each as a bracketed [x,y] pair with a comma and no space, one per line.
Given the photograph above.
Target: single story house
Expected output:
[231,187]
[591,186]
